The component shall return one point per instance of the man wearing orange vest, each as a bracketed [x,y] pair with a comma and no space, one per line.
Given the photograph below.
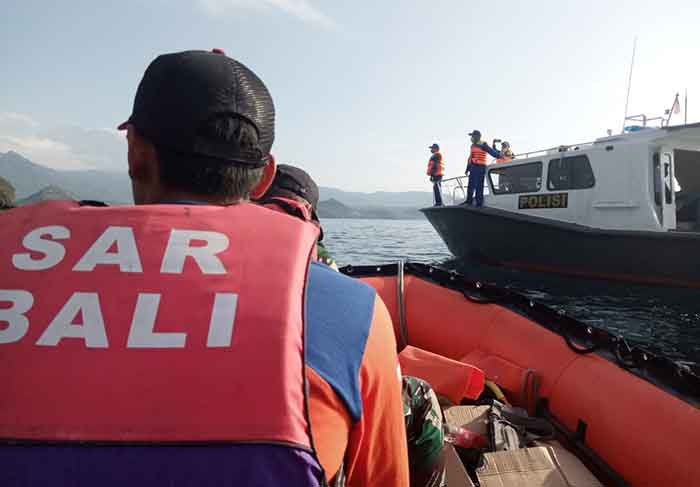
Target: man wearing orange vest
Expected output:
[505,154]
[476,168]
[436,169]
[172,342]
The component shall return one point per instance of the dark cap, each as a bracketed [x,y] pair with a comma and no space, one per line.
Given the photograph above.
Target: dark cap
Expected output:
[475,132]
[294,180]
[434,146]
[181,91]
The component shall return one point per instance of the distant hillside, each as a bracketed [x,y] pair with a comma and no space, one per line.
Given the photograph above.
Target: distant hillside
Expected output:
[29,178]
[391,212]
[47,193]
[408,199]
[333,208]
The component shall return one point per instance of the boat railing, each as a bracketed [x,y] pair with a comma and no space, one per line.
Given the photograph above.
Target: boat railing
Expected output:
[553,150]
[644,120]
[454,190]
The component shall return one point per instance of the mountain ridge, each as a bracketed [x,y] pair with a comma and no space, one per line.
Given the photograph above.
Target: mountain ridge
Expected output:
[30,178]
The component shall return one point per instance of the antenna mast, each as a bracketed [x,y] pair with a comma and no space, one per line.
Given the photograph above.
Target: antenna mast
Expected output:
[629,83]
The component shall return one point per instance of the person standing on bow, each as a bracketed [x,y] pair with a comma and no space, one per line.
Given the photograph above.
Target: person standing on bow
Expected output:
[476,168]
[436,169]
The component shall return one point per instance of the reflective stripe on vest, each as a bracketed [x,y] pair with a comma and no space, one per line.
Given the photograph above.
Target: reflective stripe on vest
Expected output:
[477,155]
[155,323]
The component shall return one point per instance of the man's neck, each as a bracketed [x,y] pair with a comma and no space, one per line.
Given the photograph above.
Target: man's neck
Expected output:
[175,196]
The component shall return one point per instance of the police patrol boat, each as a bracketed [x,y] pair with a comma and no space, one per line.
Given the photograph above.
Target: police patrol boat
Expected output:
[623,207]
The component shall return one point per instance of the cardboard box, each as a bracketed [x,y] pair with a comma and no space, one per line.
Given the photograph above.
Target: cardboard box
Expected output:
[542,466]
[575,471]
[455,473]
[474,418]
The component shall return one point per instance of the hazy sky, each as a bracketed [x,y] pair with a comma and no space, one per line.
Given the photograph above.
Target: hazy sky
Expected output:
[361,88]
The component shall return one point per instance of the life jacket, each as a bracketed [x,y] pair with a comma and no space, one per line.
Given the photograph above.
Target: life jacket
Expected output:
[289,206]
[506,156]
[477,155]
[436,166]
[292,207]
[172,325]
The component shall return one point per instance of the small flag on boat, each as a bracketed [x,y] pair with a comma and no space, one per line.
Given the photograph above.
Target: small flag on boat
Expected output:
[676,108]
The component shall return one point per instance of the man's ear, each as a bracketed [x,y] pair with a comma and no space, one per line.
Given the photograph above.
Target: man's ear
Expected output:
[143,159]
[266,180]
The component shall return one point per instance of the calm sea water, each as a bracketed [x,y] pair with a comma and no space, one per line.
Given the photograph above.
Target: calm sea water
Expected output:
[663,319]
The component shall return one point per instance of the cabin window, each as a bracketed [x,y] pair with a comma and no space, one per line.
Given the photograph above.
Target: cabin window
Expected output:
[523,178]
[570,173]
[657,179]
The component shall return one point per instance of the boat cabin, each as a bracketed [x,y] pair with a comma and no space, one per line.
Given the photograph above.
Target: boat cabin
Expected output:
[644,179]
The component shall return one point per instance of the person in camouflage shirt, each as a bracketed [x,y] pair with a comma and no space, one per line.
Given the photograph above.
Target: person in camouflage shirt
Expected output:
[325,257]
[424,432]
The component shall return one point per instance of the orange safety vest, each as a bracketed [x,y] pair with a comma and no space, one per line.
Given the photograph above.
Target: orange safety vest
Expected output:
[507,156]
[477,155]
[145,323]
[440,169]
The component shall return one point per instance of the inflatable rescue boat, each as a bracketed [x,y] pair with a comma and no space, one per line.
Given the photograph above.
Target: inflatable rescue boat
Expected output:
[631,417]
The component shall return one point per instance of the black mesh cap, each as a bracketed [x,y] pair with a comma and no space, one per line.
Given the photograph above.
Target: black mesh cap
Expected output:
[179,92]
[295,180]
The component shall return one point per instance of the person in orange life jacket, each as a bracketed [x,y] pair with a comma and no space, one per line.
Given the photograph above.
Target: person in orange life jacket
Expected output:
[436,169]
[476,168]
[505,154]
[322,396]
[294,192]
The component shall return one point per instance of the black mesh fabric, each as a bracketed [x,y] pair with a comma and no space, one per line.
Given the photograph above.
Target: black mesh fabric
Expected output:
[255,104]
[181,91]
[296,180]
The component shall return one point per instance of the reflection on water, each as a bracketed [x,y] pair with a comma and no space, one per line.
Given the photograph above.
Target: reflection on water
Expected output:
[663,319]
